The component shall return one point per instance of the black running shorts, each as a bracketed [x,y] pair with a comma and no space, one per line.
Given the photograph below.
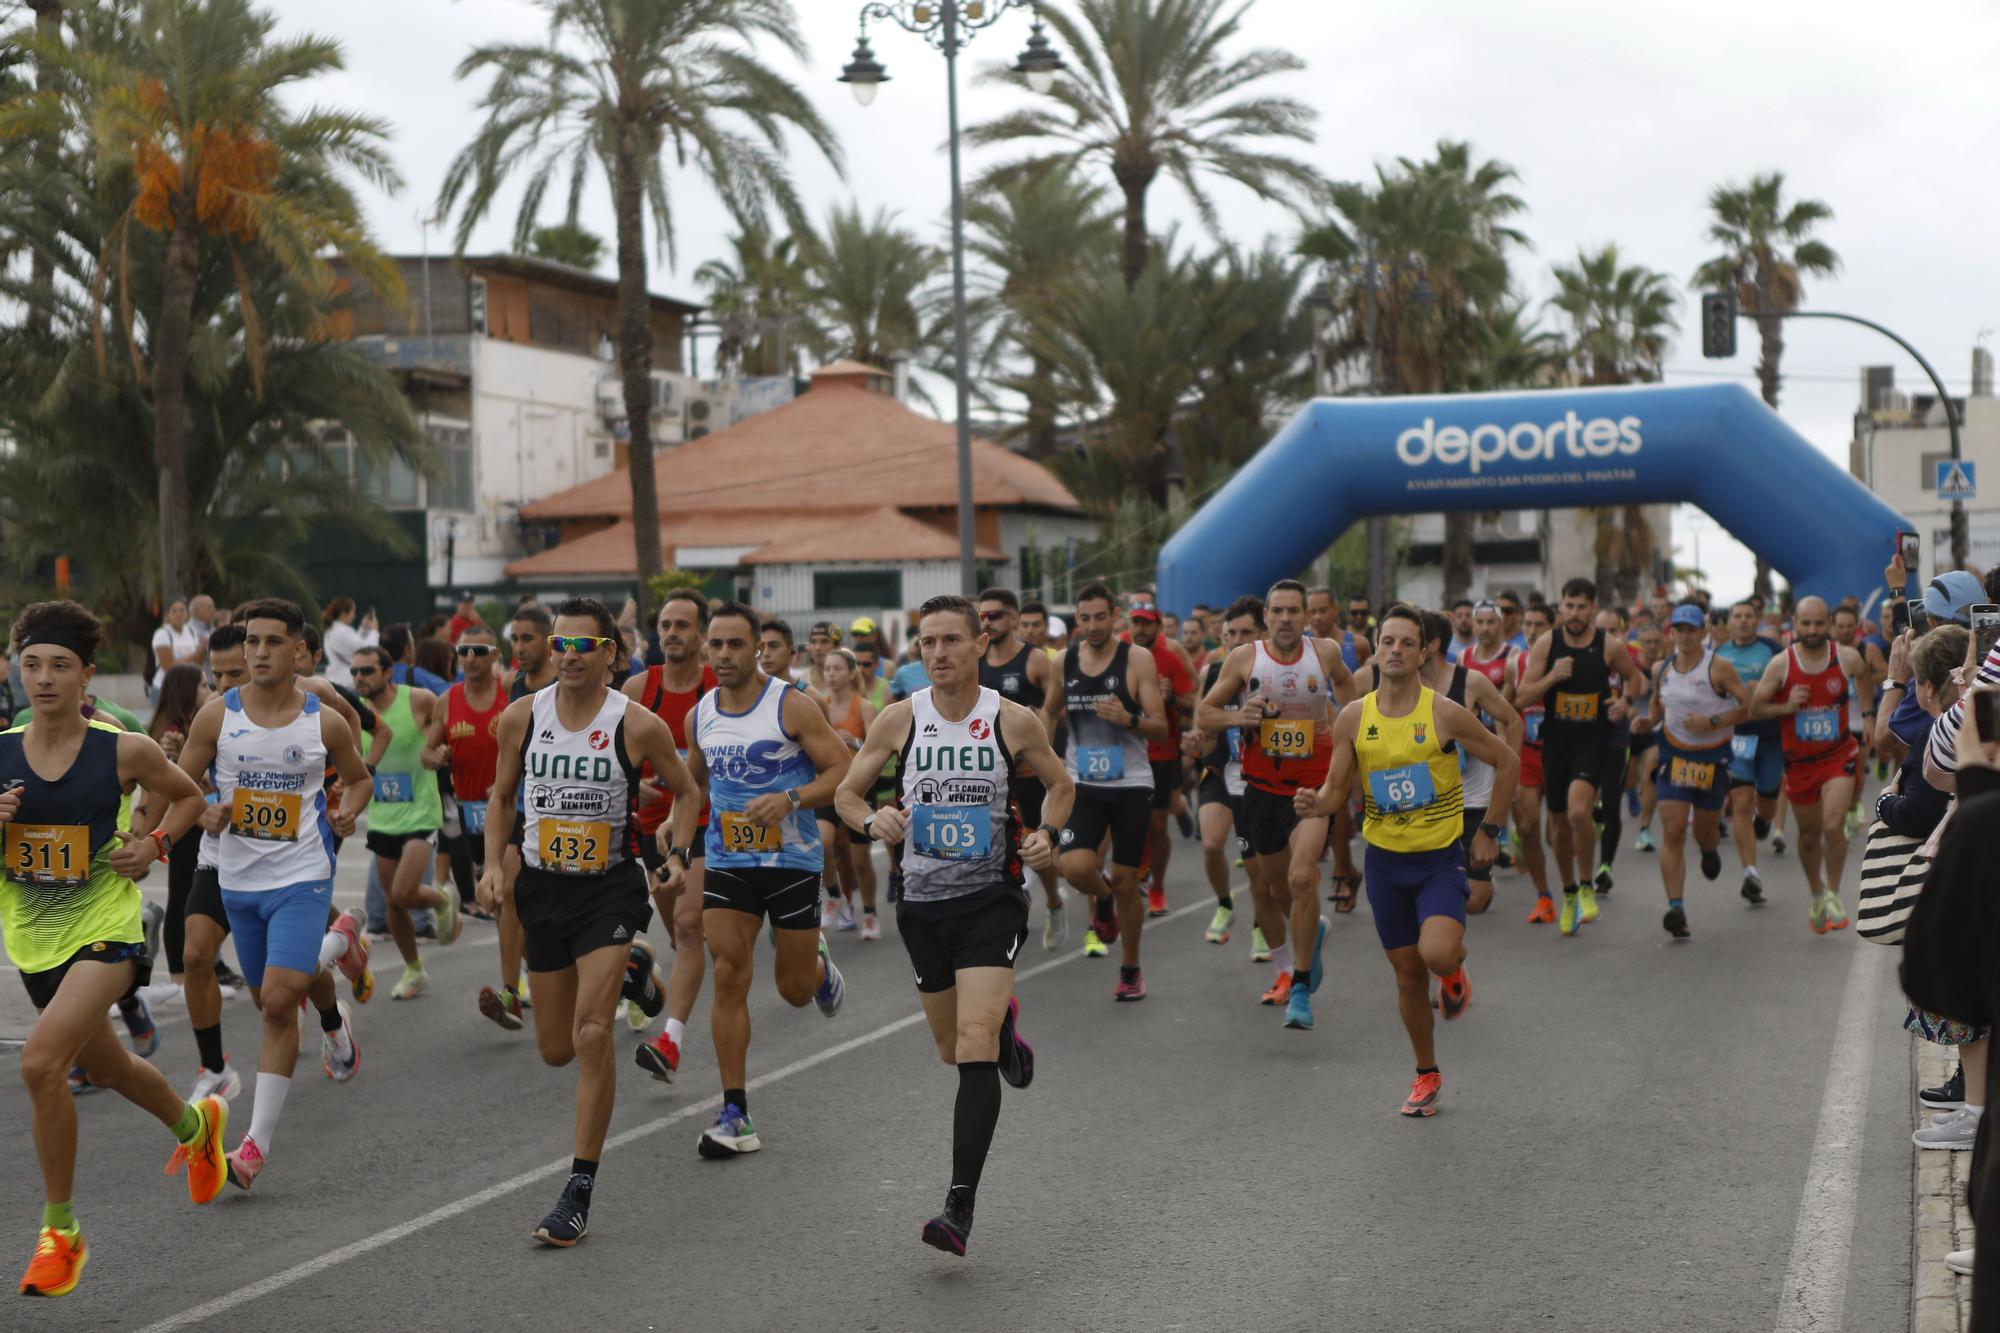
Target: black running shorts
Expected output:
[390,845]
[1567,761]
[205,897]
[789,897]
[565,917]
[42,986]
[1123,812]
[985,929]
[1167,777]
[1270,819]
[1214,791]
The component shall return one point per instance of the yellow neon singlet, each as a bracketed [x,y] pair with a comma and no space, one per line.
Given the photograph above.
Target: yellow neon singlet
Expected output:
[1412,800]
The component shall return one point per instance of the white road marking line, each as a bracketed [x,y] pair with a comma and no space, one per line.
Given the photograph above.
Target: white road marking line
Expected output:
[277,1282]
[1815,1286]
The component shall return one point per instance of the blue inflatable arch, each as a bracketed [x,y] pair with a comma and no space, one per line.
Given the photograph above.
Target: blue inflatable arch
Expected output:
[1714,445]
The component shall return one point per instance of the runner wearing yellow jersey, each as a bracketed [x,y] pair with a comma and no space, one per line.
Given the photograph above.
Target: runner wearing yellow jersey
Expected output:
[1400,745]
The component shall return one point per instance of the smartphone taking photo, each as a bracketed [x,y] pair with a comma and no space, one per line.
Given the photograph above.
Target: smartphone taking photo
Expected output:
[1899,619]
[1985,618]
[1986,713]
[1906,547]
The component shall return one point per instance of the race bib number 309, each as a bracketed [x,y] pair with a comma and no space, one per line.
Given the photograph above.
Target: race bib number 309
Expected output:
[267,816]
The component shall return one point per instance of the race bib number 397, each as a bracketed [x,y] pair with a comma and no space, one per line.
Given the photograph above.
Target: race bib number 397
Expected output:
[740,833]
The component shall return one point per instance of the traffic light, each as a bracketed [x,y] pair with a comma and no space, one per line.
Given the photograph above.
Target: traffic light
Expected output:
[1718,324]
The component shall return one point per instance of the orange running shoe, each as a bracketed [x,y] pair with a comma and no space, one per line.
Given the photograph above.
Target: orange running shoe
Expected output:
[57,1265]
[1545,911]
[207,1166]
[1454,994]
[1281,989]
[1423,1098]
[1156,900]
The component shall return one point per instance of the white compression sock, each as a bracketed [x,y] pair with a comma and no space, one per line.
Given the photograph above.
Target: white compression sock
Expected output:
[271,1090]
[331,948]
[1281,957]
[675,1029]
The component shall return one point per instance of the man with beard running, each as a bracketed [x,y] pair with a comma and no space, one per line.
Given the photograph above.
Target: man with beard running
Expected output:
[1398,747]
[573,754]
[1020,672]
[964,913]
[766,757]
[1109,692]
[1584,674]
[1810,689]
[671,690]
[1291,686]
[1697,701]
[1756,758]
[1221,791]
[1164,756]
[464,739]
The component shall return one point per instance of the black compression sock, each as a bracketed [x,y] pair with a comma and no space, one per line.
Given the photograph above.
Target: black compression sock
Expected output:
[741,1100]
[208,1041]
[1302,977]
[1227,900]
[329,1018]
[972,1122]
[1427,1069]
[585,1167]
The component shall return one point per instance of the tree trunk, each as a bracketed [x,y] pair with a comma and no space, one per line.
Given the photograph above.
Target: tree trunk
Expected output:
[1604,546]
[1135,181]
[170,358]
[635,364]
[42,268]
[1457,556]
[1041,416]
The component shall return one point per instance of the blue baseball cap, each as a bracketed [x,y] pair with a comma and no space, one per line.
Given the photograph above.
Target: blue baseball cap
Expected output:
[1951,595]
[1687,613]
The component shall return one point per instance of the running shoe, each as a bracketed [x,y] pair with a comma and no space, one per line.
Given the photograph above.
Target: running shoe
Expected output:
[1281,988]
[1761,827]
[1777,844]
[502,1006]
[1299,1010]
[833,989]
[1952,1132]
[1218,925]
[1676,923]
[643,987]
[225,1083]
[1454,994]
[1156,899]
[659,1057]
[1603,881]
[1586,904]
[450,922]
[1105,917]
[225,977]
[1186,823]
[1545,911]
[337,1069]
[1836,912]
[1055,927]
[1711,863]
[413,983]
[1135,989]
[1948,1095]
[246,1163]
[353,964]
[827,916]
[1645,841]
[843,916]
[1632,802]
[951,1229]
[1753,887]
[151,914]
[207,1167]
[731,1135]
[58,1264]
[1093,947]
[895,886]
[1816,914]
[871,926]
[1566,918]
[1424,1092]
[1318,973]
[1853,822]
[569,1221]
[1017,1058]
[142,1033]
[1260,950]
[1959,1262]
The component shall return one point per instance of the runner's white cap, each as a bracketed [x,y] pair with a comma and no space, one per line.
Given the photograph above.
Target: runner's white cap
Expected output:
[1056,627]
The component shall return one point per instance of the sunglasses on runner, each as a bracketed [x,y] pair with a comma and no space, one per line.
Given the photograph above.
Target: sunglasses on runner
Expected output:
[474,649]
[992,615]
[578,643]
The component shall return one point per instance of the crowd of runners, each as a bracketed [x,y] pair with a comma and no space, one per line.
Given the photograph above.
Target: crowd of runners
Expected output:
[544,777]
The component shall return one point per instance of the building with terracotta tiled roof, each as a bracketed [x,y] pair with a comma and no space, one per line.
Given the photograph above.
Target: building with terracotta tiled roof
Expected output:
[842,501]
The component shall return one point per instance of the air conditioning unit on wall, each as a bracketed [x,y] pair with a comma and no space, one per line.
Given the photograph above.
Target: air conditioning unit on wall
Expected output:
[667,394]
[611,399]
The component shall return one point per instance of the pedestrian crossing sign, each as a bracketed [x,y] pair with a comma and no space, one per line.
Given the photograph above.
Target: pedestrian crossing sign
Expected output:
[1957,480]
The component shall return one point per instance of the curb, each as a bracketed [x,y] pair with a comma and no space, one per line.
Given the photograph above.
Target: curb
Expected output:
[1940,1300]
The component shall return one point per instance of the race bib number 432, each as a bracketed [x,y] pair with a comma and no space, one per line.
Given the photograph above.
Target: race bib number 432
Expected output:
[576,846]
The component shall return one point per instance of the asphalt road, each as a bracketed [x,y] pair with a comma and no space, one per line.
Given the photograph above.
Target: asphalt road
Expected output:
[1627,1140]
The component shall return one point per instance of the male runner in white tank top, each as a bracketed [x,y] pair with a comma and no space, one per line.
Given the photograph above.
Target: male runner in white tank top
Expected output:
[581,893]
[964,912]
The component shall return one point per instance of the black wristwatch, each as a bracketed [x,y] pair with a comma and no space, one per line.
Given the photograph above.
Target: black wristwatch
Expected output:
[1492,831]
[868,825]
[686,854]
[1055,834]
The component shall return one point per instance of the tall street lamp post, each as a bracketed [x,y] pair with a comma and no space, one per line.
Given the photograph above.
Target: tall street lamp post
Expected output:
[949,25]
[1376,273]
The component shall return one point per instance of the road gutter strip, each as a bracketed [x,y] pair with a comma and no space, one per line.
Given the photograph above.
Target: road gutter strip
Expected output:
[1940,1300]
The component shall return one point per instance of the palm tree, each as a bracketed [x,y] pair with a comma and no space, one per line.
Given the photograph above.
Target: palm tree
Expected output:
[1620,319]
[1032,233]
[1767,250]
[188,114]
[761,297]
[619,86]
[871,288]
[567,243]
[1155,92]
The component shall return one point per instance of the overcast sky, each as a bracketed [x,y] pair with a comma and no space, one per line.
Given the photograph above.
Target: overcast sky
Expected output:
[1619,119]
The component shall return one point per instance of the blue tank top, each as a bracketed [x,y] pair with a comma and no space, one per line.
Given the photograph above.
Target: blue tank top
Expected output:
[747,755]
[1750,659]
[1347,653]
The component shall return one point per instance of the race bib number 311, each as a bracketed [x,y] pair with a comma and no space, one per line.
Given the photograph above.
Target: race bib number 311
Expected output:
[56,854]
